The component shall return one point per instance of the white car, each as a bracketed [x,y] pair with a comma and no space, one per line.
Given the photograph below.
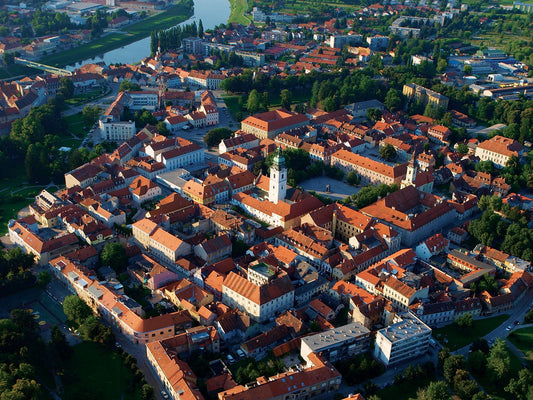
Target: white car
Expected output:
[230,359]
[164,394]
[241,353]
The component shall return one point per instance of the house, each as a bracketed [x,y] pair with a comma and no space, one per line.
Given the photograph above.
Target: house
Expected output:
[432,246]
[143,189]
[259,301]
[163,245]
[258,346]
[244,141]
[214,249]
[499,150]
[175,123]
[439,134]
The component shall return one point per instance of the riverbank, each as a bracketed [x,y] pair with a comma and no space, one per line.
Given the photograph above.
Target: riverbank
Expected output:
[176,14]
[238,8]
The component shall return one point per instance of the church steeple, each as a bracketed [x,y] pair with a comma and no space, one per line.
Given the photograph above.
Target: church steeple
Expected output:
[278,178]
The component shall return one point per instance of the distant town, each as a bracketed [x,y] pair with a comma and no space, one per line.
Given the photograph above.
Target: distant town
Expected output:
[306,201]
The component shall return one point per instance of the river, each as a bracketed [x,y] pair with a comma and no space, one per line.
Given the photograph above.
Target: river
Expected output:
[211,12]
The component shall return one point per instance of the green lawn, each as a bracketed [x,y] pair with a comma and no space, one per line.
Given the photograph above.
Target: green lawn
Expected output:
[238,8]
[166,19]
[232,102]
[523,339]
[402,391]
[99,373]
[85,97]
[76,125]
[454,337]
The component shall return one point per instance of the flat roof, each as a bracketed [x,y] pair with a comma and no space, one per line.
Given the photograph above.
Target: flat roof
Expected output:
[407,327]
[333,336]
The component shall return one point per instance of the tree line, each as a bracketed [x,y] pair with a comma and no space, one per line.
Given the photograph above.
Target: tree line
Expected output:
[169,39]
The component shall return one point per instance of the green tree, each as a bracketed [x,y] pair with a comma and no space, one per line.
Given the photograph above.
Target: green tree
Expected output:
[499,361]
[387,152]
[143,118]
[75,309]
[128,85]
[467,69]
[253,102]
[286,99]
[485,166]
[90,114]
[114,255]
[265,100]
[373,114]
[147,391]
[43,279]
[162,128]
[462,148]
[451,365]
[393,101]
[434,391]
[66,87]
[60,344]
[520,388]
[352,178]
[214,136]
[477,362]
[200,29]
[442,64]
[465,321]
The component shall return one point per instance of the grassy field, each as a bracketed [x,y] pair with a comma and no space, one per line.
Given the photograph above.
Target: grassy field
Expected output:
[99,373]
[238,8]
[523,339]
[76,125]
[168,18]
[14,70]
[454,337]
[402,391]
[232,102]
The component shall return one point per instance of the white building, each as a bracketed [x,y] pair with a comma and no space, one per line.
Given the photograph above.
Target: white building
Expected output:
[335,344]
[407,337]
[139,100]
[116,131]
[498,150]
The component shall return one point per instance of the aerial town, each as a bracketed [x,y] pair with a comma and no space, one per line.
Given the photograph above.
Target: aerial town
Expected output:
[294,201]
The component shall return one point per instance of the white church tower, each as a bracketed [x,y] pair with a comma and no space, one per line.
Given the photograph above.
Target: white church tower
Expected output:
[278,179]
[410,176]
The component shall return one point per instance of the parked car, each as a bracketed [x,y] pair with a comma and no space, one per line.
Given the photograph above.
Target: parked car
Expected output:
[164,394]
[241,353]
[230,358]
